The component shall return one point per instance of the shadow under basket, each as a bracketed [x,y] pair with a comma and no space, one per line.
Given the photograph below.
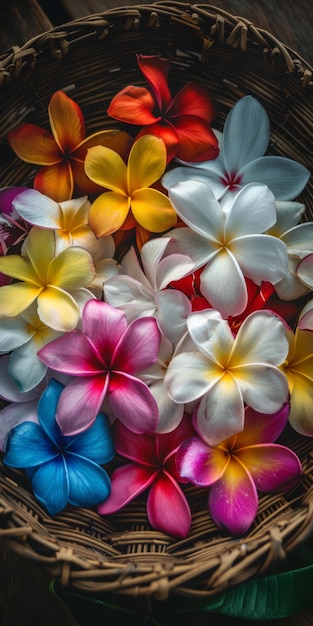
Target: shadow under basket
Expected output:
[92,59]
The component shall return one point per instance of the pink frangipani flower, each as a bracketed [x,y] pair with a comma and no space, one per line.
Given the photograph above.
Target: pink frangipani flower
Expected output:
[153,467]
[104,357]
[239,467]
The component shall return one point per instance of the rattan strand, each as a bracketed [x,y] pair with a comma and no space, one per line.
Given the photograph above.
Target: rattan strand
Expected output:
[92,58]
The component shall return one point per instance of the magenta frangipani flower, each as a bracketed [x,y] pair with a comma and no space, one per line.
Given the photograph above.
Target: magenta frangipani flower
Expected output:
[239,467]
[104,357]
[153,467]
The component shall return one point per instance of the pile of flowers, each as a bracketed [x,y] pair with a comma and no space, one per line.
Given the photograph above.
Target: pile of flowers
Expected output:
[152,307]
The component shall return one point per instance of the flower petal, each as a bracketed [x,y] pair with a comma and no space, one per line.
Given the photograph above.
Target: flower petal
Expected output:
[139,449]
[14,414]
[197,141]
[47,407]
[28,446]
[260,339]
[108,213]
[146,163]
[212,334]
[173,310]
[80,403]
[233,500]
[95,443]
[203,465]
[66,121]
[127,482]
[253,211]
[220,413]
[223,285]
[273,467]
[188,377]
[193,99]
[13,333]
[261,257]
[155,71]
[305,270]
[50,485]
[34,145]
[57,309]
[15,298]
[153,210]
[37,209]
[183,174]
[89,483]
[55,181]
[246,133]
[263,387]
[25,366]
[138,347]
[301,405]
[133,103]
[286,178]
[170,413]
[262,427]
[167,507]
[132,402]
[72,268]
[106,167]
[196,206]
[17,267]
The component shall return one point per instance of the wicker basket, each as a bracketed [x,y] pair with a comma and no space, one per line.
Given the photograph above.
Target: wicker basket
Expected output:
[94,58]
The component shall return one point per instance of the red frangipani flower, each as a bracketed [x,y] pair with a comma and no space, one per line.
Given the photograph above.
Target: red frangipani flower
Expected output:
[104,357]
[153,467]
[183,122]
[239,467]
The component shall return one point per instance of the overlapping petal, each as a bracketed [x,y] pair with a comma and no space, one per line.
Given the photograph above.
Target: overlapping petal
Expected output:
[175,519]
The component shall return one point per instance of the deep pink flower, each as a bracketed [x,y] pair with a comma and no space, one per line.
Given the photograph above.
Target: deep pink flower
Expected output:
[183,122]
[105,357]
[153,467]
[239,467]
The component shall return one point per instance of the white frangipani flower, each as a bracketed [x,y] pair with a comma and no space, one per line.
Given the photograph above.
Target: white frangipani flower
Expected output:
[230,247]
[243,143]
[225,373]
[141,292]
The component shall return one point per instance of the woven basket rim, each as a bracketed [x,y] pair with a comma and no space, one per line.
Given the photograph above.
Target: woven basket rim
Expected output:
[74,556]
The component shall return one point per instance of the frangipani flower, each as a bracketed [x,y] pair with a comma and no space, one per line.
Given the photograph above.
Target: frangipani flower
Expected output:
[62,469]
[131,201]
[230,247]
[152,467]
[239,467]
[298,368]
[22,336]
[141,292]
[183,122]
[68,219]
[224,372]
[56,282]
[61,152]
[243,143]
[105,358]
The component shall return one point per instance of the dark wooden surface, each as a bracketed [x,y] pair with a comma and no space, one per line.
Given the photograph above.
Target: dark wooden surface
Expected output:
[25,599]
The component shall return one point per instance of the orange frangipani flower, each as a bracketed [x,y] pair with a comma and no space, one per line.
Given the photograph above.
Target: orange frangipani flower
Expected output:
[61,152]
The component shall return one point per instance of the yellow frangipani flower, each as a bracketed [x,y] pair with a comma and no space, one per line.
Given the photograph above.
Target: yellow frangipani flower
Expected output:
[57,282]
[130,201]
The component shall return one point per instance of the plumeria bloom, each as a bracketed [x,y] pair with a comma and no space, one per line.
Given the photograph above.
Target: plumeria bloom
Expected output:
[139,289]
[22,336]
[62,469]
[230,247]
[239,467]
[298,368]
[183,122]
[243,143]
[224,372]
[105,358]
[152,467]
[13,229]
[298,239]
[57,282]
[131,201]
[61,152]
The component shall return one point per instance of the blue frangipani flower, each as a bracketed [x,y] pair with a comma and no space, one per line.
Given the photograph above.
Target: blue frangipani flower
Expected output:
[63,469]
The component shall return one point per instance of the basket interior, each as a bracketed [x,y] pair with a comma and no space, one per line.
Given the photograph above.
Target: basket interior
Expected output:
[92,59]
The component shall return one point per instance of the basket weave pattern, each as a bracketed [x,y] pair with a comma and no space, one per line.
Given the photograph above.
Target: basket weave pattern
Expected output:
[92,59]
